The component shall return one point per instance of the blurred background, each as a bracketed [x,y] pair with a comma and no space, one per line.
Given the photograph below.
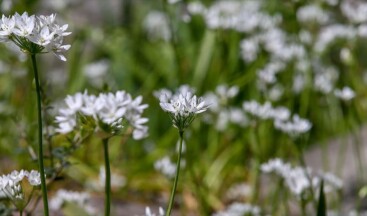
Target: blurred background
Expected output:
[306,56]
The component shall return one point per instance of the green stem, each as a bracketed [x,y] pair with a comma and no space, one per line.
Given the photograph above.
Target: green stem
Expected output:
[20,212]
[108,178]
[173,192]
[40,136]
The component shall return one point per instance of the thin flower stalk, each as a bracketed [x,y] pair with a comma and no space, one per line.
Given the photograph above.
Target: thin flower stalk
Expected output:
[178,165]
[40,137]
[108,178]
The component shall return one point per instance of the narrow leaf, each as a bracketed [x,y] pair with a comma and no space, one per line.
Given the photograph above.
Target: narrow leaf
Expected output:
[321,206]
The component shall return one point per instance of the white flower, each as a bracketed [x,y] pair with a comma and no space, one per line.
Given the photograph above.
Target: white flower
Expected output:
[81,199]
[34,178]
[345,94]
[239,209]
[96,72]
[182,108]
[266,111]
[310,13]
[27,31]
[109,109]
[44,37]
[7,26]
[149,212]
[294,127]
[165,166]
[57,48]
[156,24]
[24,24]
[196,8]
[173,1]
[11,184]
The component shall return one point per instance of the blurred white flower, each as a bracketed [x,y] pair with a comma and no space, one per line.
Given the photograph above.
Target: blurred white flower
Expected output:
[325,79]
[346,55]
[157,27]
[149,212]
[275,92]
[239,209]
[81,199]
[332,32]
[196,8]
[165,166]
[266,111]
[242,16]
[355,11]
[268,73]
[11,184]
[312,13]
[6,5]
[96,72]
[250,49]
[173,1]
[295,127]
[345,93]
[300,180]
[34,178]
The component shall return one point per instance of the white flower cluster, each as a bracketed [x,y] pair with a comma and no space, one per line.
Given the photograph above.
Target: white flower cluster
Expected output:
[355,11]
[165,166]
[109,109]
[266,111]
[221,113]
[27,31]
[239,209]
[156,24]
[242,16]
[11,186]
[96,72]
[332,32]
[298,179]
[312,13]
[345,94]
[182,106]
[149,212]
[293,127]
[81,199]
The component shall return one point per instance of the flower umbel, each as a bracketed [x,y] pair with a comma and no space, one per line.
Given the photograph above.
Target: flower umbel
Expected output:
[103,113]
[11,185]
[34,34]
[182,108]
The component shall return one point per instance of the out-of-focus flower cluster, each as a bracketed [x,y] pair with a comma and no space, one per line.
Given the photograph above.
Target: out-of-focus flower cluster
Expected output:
[239,209]
[221,113]
[300,181]
[298,52]
[11,186]
[149,212]
[81,199]
[35,34]
[105,112]
[281,116]
[182,106]
[165,166]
